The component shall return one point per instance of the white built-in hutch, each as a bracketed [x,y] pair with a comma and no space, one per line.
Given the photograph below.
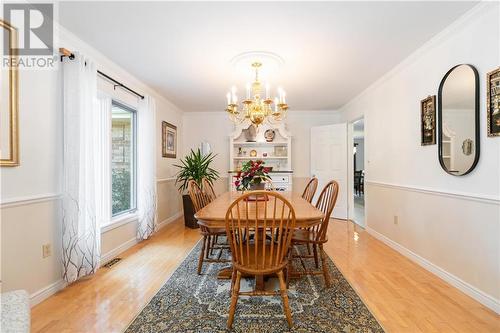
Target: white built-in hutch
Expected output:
[276,153]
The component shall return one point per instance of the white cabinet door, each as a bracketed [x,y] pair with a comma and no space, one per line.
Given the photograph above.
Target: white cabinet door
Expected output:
[329,162]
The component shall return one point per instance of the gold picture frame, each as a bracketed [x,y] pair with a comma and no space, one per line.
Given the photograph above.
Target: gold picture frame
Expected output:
[428,121]
[493,102]
[168,140]
[9,115]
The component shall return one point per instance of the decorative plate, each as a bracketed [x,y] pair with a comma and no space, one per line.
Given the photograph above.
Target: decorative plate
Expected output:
[253,153]
[269,135]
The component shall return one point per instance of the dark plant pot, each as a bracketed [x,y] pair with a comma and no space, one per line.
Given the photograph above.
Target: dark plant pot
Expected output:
[189,220]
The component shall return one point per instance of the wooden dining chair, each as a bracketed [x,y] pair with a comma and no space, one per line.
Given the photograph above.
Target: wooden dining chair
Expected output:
[316,236]
[259,232]
[208,188]
[210,235]
[310,189]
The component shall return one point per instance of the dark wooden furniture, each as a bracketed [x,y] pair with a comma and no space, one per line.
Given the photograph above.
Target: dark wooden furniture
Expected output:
[359,182]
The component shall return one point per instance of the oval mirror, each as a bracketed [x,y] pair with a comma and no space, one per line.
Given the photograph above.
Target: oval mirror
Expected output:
[458,120]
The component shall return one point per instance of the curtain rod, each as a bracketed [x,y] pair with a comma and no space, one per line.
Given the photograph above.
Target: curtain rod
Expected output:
[67,53]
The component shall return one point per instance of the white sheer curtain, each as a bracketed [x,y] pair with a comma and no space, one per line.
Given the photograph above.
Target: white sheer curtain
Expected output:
[146,168]
[86,154]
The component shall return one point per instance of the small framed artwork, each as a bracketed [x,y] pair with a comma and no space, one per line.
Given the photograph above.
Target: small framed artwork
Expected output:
[493,102]
[428,120]
[169,140]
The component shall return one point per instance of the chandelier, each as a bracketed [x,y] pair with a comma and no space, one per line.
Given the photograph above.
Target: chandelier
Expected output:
[256,108]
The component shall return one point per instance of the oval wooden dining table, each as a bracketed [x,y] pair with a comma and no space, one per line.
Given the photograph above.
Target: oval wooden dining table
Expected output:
[213,215]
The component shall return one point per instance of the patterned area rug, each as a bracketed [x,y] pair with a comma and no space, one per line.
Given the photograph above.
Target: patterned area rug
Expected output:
[200,303]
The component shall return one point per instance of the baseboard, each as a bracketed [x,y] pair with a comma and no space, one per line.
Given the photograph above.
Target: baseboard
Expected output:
[480,296]
[170,219]
[46,292]
[117,250]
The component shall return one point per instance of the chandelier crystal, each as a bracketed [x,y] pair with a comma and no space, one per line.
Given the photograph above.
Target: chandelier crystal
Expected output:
[256,108]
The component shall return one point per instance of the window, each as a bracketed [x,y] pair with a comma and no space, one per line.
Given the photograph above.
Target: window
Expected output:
[123,159]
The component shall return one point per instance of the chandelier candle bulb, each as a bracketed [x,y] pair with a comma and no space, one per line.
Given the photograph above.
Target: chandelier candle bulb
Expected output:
[257,108]
[228,96]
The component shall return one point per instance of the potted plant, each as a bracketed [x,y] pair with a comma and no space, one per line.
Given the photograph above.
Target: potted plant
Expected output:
[195,166]
[252,176]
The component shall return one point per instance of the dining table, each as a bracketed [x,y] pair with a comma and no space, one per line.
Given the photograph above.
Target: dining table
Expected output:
[213,215]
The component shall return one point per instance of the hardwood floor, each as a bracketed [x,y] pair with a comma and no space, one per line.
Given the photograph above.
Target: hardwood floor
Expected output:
[403,296]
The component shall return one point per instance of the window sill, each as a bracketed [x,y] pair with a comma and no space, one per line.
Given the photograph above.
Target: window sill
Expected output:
[118,221]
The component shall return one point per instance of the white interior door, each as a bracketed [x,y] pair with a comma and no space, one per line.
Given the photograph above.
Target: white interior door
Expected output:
[329,162]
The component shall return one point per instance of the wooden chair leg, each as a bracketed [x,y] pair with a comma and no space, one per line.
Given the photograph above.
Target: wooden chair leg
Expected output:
[315,251]
[234,300]
[284,297]
[308,249]
[289,267]
[202,254]
[209,246]
[214,241]
[324,266]
[233,279]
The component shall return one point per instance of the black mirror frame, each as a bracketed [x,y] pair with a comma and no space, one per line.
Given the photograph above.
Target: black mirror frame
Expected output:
[440,121]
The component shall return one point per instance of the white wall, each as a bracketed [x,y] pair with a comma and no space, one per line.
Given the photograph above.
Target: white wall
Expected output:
[449,224]
[215,128]
[30,207]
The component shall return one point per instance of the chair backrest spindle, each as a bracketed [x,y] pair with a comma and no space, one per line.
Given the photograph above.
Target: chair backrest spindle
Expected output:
[259,226]
[310,189]
[326,203]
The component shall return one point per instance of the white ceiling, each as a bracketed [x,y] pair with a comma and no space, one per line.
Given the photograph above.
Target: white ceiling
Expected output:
[332,51]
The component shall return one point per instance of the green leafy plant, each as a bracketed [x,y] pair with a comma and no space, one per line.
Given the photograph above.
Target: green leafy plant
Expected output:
[251,173]
[195,166]
[120,196]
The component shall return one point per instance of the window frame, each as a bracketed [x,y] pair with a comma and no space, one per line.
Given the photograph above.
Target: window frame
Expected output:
[125,214]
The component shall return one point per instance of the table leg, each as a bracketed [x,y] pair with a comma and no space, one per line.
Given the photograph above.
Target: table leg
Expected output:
[259,282]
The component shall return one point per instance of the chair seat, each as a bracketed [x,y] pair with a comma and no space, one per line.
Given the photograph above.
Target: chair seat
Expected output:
[307,236]
[250,264]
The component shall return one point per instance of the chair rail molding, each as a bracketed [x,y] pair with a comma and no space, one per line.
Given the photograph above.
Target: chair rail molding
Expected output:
[164,180]
[489,199]
[29,200]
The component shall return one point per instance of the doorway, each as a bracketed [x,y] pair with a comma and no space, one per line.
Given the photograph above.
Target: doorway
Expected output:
[358,172]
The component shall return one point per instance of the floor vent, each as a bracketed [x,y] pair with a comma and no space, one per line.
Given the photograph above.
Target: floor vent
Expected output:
[112,262]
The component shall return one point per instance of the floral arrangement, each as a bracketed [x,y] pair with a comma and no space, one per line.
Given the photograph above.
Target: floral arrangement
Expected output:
[252,174]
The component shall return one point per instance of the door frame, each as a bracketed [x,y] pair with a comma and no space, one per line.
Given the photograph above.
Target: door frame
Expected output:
[350,167]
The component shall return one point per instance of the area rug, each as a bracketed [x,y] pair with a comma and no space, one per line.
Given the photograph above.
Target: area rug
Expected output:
[189,302]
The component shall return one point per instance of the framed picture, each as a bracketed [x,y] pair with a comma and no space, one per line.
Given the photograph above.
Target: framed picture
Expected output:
[428,121]
[9,134]
[168,140]
[493,102]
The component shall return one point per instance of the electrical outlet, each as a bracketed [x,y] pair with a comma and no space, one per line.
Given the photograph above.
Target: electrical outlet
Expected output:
[396,219]
[46,250]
